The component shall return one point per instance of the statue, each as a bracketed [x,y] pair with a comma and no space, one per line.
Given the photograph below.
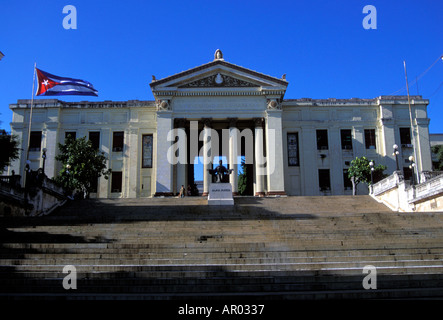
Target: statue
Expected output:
[220,172]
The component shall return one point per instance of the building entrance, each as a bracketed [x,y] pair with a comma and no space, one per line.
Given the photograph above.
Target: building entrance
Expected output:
[231,141]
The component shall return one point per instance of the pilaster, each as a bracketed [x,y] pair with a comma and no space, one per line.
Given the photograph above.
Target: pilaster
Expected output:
[133,165]
[274,152]
[163,186]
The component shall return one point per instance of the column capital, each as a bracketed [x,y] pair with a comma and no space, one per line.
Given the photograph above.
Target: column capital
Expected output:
[258,122]
[232,122]
[180,122]
[207,122]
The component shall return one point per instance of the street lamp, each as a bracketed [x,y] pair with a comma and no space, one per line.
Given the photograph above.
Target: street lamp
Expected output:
[396,153]
[371,164]
[44,159]
[412,167]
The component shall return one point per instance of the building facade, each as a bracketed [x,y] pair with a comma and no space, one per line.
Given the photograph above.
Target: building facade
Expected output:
[291,146]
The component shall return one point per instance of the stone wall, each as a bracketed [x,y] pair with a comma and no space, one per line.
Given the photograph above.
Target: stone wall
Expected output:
[37,199]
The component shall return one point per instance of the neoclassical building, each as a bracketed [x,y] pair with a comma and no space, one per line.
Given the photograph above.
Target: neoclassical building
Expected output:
[291,146]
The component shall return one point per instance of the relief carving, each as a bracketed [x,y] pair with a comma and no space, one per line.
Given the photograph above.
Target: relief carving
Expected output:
[163,105]
[273,104]
[218,80]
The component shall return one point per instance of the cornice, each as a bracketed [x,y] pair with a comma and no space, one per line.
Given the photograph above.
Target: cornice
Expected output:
[215,63]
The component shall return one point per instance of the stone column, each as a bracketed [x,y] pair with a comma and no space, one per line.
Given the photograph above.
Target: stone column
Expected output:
[274,152]
[181,167]
[163,186]
[259,159]
[233,154]
[207,156]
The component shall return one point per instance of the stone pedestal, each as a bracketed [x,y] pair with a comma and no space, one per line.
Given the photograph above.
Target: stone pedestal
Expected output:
[220,194]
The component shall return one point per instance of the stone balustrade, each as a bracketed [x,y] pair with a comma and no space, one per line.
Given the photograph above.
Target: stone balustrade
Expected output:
[399,195]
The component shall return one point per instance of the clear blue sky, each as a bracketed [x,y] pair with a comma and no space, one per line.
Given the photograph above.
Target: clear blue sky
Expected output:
[320,45]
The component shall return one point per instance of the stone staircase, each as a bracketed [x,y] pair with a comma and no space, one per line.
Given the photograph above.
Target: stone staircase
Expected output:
[265,248]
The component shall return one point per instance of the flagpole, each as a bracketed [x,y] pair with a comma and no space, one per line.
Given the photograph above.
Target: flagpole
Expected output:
[30,116]
[412,127]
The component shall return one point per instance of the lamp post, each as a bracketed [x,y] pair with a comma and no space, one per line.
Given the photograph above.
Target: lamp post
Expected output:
[412,167]
[44,159]
[371,165]
[396,153]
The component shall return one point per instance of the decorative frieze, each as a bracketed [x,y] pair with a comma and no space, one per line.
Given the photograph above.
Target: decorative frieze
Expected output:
[218,80]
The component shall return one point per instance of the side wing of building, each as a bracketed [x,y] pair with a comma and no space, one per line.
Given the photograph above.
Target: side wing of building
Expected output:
[124,131]
[322,136]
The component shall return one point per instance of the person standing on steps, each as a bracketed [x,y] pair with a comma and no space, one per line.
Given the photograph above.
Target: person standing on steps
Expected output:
[182,192]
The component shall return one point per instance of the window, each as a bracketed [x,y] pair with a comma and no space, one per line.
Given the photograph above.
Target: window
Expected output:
[324,180]
[370,138]
[94,137]
[405,136]
[347,183]
[35,141]
[346,139]
[73,134]
[117,141]
[116,181]
[147,151]
[322,139]
[293,149]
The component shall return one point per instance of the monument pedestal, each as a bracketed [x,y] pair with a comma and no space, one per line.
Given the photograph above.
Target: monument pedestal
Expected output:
[220,194]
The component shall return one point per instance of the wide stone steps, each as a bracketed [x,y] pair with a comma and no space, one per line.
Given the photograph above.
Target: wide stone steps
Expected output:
[166,248]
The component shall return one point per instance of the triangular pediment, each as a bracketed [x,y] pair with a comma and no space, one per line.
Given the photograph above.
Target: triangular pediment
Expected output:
[219,80]
[218,74]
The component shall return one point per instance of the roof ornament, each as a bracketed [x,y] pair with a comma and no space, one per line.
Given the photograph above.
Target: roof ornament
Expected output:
[218,55]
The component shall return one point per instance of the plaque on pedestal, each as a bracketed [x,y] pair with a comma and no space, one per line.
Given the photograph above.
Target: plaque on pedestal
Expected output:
[220,194]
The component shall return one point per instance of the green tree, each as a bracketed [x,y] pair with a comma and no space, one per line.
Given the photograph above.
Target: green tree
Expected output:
[438,150]
[9,149]
[360,171]
[82,165]
[242,179]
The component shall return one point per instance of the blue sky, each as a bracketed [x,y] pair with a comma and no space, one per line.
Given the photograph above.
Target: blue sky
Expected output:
[321,46]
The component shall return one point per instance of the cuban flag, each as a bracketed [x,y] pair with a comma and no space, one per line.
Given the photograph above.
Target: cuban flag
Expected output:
[50,85]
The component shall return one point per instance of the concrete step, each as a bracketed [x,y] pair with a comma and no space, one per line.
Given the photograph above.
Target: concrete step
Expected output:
[225,285]
[196,258]
[400,266]
[163,248]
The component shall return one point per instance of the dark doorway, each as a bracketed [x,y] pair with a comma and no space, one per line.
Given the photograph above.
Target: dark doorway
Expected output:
[195,164]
